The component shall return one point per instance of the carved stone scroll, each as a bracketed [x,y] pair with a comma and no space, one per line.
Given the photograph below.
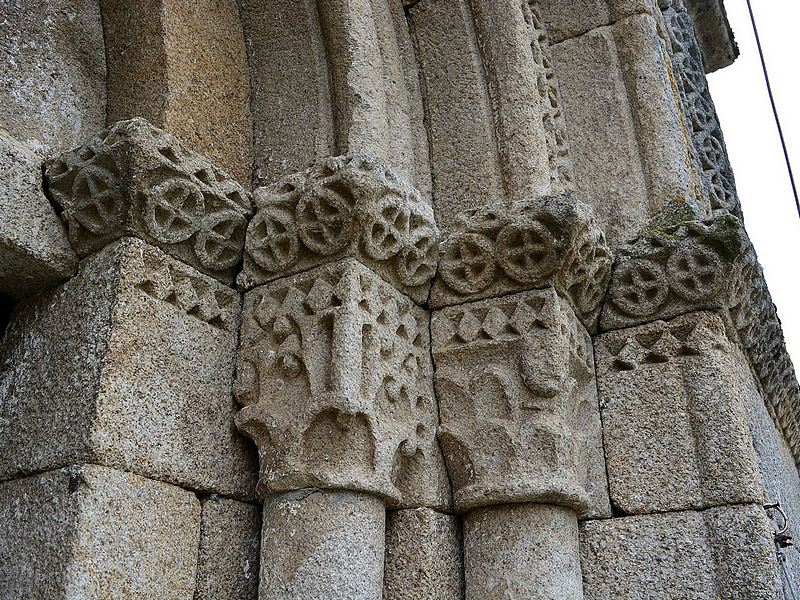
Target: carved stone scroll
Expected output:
[518,404]
[334,373]
[135,179]
[343,206]
[547,241]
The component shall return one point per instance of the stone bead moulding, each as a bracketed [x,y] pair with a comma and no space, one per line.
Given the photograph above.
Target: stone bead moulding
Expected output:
[335,378]
[343,206]
[135,179]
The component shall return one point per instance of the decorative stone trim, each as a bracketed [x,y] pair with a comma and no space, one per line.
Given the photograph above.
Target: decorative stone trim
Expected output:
[335,377]
[135,179]
[709,265]
[345,206]
[548,241]
[518,403]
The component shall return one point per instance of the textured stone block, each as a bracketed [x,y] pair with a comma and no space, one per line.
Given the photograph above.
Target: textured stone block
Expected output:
[336,77]
[423,556]
[320,545]
[675,424]
[488,103]
[343,206]
[518,404]
[183,67]
[552,240]
[335,376]
[34,252]
[522,551]
[230,538]
[135,179]
[128,364]
[90,533]
[53,76]
[724,552]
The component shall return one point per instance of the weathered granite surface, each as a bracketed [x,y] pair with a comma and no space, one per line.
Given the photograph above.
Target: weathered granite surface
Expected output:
[89,533]
[34,252]
[129,364]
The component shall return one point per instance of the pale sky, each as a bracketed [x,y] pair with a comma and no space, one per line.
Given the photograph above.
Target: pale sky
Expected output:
[754,147]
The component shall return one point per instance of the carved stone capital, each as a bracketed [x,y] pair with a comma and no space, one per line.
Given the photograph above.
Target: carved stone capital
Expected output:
[547,241]
[135,179]
[345,206]
[671,270]
[518,403]
[335,377]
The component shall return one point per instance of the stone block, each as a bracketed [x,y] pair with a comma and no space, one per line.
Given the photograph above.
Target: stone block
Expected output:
[552,240]
[343,206]
[566,19]
[183,67]
[129,364]
[135,179]
[89,533]
[608,174]
[724,552]
[713,33]
[675,425]
[53,78]
[230,539]
[322,545]
[423,556]
[34,252]
[520,420]
[335,377]
[336,77]
[522,551]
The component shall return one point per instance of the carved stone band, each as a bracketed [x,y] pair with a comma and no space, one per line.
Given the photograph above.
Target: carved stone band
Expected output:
[547,241]
[135,179]
[343,206]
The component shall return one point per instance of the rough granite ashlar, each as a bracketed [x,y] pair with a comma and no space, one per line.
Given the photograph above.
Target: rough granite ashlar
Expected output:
[135,179]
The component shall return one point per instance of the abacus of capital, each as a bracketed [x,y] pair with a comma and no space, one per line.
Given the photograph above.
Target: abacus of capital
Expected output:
[383,299]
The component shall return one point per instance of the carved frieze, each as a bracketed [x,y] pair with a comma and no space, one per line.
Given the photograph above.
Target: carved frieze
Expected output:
[551,240]
[335,379]
[518,405]
[135,179]
[343,206]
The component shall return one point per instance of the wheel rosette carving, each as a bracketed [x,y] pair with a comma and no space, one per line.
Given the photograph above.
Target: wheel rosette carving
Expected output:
[173,210]
[386,234]
[527,252]
[695,272]
[467,264]
[219,241]
[641,287]
[325,221]
[97,200]
[272,240]
[416,263]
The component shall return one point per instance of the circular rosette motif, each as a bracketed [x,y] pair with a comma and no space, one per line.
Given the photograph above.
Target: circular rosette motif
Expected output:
[173,210]
[527,251]
[387,232]
[97,201]
[695,272]
[416,263]
[324,218]
[467,264]
[272,240]
[640,287]
[591,277]
[219,241]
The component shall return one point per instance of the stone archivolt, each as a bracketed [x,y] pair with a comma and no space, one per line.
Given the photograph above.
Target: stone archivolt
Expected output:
[335,377]
[549,240]
[343,206]
[135,179]
[518,406]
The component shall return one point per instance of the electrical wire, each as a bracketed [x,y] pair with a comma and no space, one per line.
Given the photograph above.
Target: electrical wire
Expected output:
[774,108]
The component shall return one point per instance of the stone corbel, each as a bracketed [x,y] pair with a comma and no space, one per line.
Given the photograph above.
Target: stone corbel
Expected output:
[518,404]
[551,240]
[335,377]
[135,179]
[345,206]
